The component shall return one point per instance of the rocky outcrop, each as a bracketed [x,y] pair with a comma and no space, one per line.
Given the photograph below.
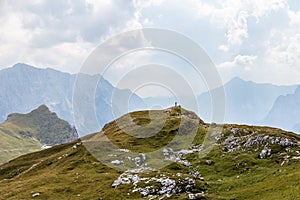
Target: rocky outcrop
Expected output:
[162,185]
[241,139]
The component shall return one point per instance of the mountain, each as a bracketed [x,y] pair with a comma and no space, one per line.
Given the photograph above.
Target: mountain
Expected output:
[24,88]
[24,133]
[246,102]
[285,112]
[240,162]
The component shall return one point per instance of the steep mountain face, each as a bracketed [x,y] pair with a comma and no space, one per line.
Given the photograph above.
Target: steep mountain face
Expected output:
[25,133]
[246,102]
[243,162]
[285,112]
[24,88]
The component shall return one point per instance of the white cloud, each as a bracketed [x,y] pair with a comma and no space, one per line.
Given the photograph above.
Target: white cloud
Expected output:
[237,29]
[294,18]
[223,48]
[285,52]
[233,15]
[59,33]
[254,38]
[239,61]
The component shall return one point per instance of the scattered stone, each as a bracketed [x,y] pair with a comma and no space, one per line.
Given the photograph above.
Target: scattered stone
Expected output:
[208,162]
[117,162]
[157,187]
[123,150]
[266,152]
[176,156]
[77,145]
[35,194]
[196,196]
[197,175]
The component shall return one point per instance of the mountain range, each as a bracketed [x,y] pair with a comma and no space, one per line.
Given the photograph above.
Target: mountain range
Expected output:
[246,102]
[25,87]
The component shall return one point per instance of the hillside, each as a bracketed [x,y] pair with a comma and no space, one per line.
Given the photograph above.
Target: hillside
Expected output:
[24,133]
[241,162]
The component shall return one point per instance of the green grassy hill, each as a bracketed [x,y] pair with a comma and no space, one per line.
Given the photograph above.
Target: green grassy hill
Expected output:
[24,133]
[241,162]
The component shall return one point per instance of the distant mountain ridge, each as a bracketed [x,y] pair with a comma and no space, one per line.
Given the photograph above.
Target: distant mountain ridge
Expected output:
[24,87]
[246,102]
[24,133]
[285,112]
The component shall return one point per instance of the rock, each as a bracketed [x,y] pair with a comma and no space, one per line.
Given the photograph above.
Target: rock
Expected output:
[121,180]
[234,131]
[284,142]
[179,174]
[123,150]
[36,194]
[184,162]
[197,175]
[196,196]
[139,161]
[135,178]
[266,152]
[208,162]
[117,162]
[77,145]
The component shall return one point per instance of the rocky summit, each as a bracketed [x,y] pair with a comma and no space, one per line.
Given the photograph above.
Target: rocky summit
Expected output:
[24,133]
[125,160]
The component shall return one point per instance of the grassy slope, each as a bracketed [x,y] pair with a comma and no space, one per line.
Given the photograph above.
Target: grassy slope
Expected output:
[12,144]
[63,172]
[24,133]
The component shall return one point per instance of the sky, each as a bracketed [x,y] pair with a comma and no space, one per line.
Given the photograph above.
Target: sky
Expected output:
[256,40]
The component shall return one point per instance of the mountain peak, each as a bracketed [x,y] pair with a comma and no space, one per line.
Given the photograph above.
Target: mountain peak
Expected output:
[236,81]
[236,78]
[22,66]
[142,124]
[49,129]
[25,133]
[42,109]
